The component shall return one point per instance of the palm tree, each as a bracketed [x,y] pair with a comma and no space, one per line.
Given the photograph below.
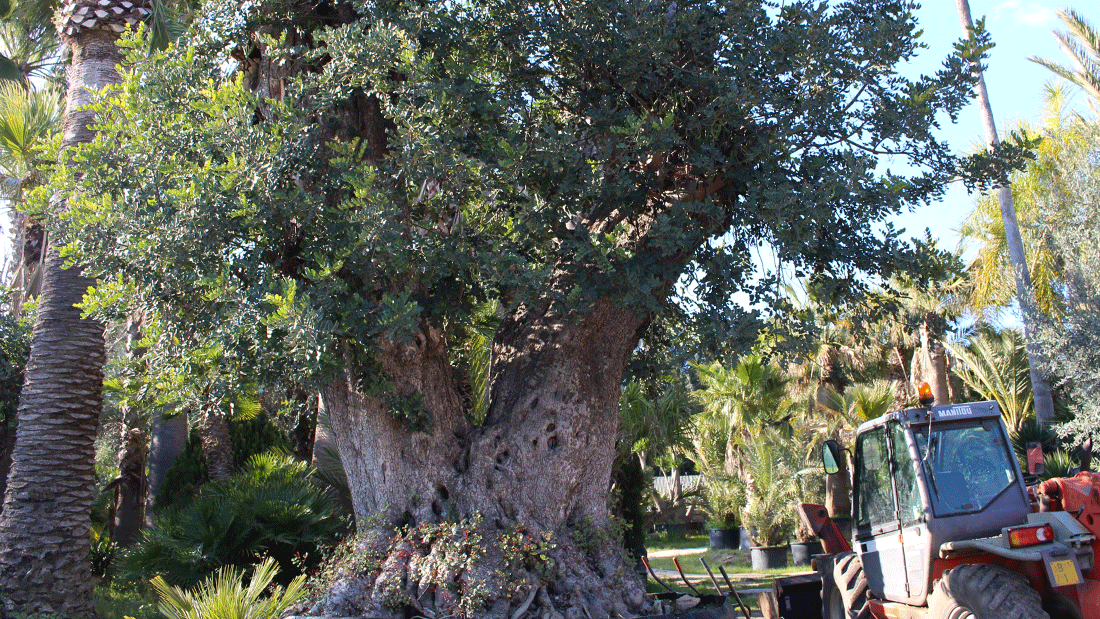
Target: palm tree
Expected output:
[995,365]
[738,404]
[1082,44]
[30,45]
[28,119]
[223,595]
[1041,182]
[927,310]
[44,529]
[656,431]
[840,351]
[1025,296]
[772,467]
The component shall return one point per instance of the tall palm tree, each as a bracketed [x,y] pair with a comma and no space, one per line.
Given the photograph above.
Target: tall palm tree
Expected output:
[1082,44]
[1025,296]
[44,528]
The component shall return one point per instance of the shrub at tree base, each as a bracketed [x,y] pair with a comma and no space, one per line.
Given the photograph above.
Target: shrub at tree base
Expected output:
[222,596]
[270,508]
[465,568]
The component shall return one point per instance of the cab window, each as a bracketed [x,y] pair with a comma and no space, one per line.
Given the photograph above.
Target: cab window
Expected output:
[967,465]
[874,494]
[905,477]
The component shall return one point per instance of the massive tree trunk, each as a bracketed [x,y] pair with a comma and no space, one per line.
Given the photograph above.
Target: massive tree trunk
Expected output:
[44,529]
[540,463]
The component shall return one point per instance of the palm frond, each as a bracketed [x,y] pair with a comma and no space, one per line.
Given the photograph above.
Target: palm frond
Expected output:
[223,596]
[27,120]
[1081,42]
[995,365]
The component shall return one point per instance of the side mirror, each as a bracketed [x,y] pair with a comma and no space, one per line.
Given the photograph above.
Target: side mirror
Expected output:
[830,457]
[1035,463]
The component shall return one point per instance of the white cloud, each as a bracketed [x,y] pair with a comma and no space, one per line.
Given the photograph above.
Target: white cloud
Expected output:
[1030,14]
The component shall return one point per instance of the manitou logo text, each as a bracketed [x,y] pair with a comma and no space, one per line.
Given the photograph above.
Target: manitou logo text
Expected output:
[955,411]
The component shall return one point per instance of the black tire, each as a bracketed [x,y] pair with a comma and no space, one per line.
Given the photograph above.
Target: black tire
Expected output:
[846,597]
[984,592]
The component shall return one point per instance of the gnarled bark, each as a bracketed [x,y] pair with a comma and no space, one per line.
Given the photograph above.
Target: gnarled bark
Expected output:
[541,462]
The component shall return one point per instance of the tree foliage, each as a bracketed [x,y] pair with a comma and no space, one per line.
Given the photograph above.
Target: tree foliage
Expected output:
[995,365]
[1070,341]
[1081,42]
[534,151]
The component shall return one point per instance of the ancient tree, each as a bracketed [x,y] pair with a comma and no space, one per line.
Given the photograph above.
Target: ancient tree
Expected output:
[337,205]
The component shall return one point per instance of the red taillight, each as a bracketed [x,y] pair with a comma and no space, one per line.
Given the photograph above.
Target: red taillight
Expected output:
[1029,535]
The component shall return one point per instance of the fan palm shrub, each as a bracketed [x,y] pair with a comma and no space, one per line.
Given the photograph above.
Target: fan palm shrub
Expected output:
[725,497]
[738,403]
[270,508]
[223,595]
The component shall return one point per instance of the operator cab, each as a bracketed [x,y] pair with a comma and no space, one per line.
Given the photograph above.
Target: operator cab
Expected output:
[925,476]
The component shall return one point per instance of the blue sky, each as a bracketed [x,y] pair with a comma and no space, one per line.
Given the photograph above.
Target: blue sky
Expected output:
[1020,29]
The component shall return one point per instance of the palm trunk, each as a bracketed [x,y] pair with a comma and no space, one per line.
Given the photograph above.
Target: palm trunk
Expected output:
[934,360]
[217,446]
[902,391]
[132,483]
[168,438]
[1040,386]
[44,530]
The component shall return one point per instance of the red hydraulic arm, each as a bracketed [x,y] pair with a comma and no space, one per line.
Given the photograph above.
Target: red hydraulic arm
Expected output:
[816,518]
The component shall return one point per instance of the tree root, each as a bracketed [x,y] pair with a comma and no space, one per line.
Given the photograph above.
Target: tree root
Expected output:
[469,569]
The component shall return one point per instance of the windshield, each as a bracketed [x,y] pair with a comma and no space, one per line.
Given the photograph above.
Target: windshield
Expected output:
[966,465]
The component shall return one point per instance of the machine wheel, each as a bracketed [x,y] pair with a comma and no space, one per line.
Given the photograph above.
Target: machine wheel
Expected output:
[846,596]
[984,592]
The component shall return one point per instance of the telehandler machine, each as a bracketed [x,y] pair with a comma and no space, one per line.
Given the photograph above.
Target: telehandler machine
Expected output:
[945,527]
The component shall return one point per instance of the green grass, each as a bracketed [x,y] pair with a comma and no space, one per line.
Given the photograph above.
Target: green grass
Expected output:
[113,601]
[666,541]
[737,563]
